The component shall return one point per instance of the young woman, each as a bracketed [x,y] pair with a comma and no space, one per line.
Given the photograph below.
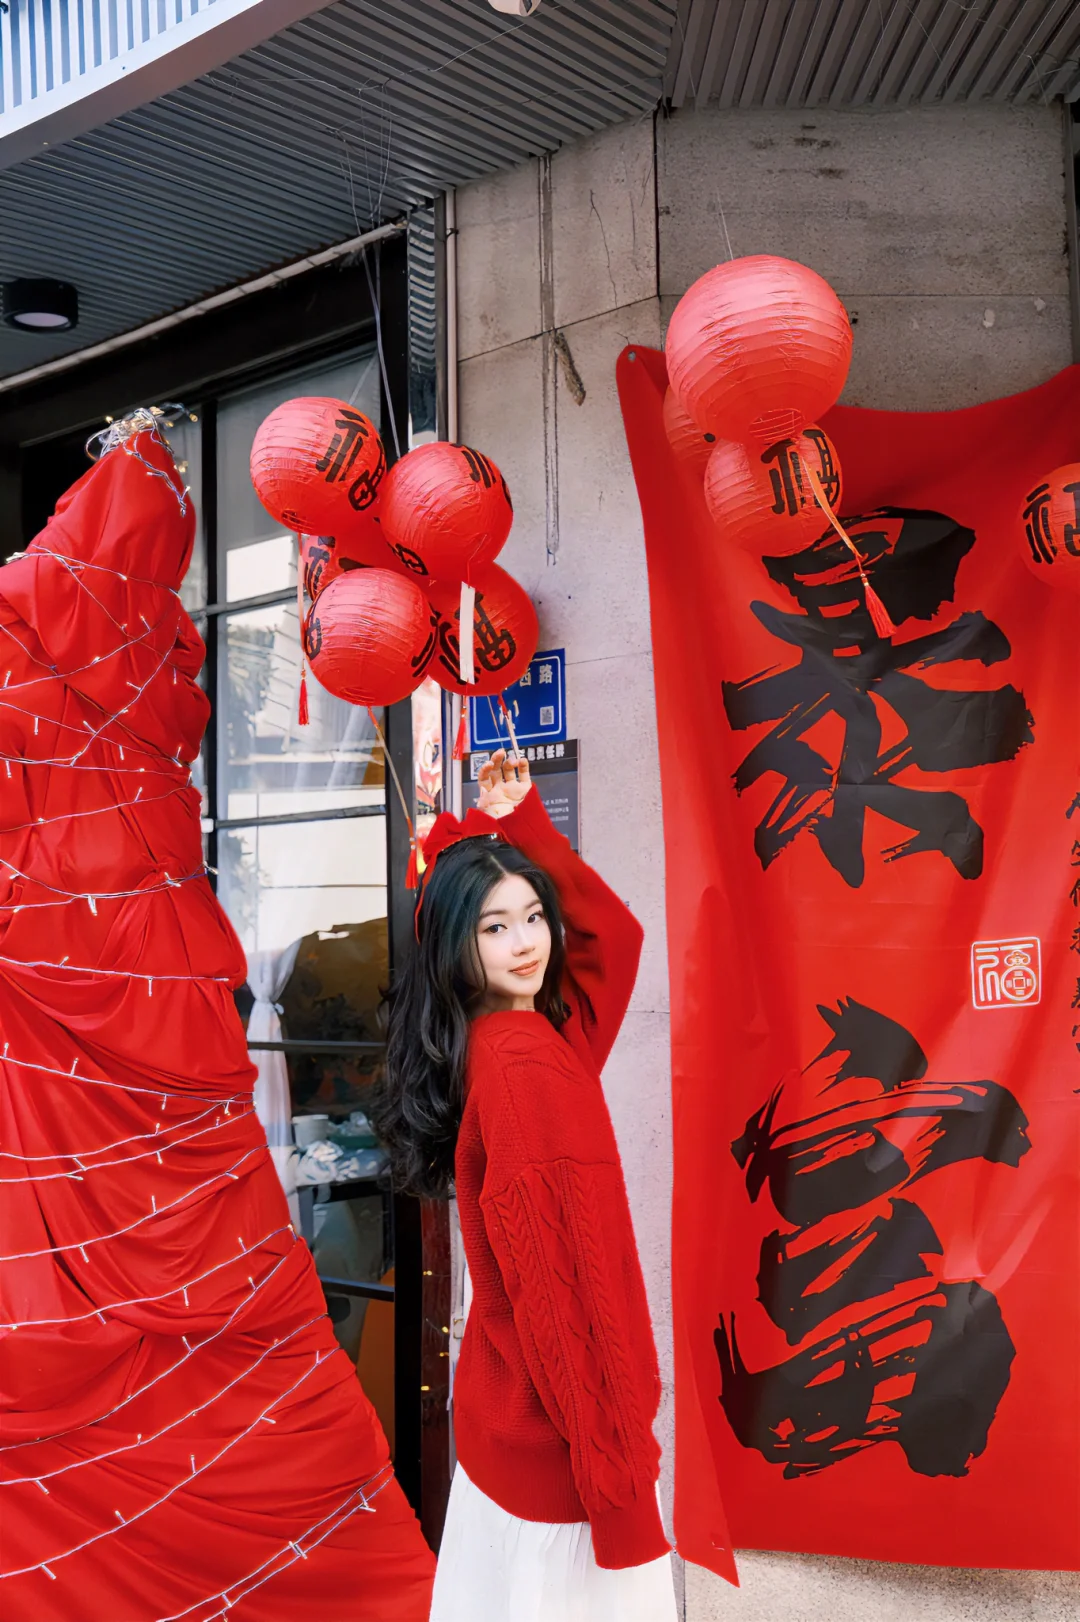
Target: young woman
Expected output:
[499,1028]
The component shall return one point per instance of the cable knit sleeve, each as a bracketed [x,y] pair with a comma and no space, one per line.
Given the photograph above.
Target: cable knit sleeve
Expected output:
[603,938]
[556,1214]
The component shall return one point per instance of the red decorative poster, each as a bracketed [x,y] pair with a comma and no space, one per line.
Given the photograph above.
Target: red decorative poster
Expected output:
[181,1437]
[873,901]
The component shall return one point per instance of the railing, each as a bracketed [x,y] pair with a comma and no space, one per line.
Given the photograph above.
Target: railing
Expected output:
[47,44]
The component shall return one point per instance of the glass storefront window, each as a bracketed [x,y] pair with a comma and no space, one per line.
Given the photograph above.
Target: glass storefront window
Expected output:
[255,556]
[281,881]
[264,756]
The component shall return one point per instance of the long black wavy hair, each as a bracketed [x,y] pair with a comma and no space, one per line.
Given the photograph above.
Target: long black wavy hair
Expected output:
[417,1107]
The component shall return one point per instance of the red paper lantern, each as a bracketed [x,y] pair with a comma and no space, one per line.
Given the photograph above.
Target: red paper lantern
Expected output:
[324,557]
[505,633]
[370,636]
[758,348]
[316,463]
[763,500]
[445,511]
[1051,520]
[686,439]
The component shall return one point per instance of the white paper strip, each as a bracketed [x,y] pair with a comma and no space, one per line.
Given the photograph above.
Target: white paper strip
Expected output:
[466,663]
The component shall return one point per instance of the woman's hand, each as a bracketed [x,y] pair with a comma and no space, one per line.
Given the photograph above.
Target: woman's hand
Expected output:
[503,784]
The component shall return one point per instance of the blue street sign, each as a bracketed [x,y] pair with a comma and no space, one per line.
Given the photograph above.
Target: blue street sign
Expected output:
[537,704]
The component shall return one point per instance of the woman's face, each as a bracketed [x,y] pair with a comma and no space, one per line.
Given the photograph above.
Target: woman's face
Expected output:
[513,942]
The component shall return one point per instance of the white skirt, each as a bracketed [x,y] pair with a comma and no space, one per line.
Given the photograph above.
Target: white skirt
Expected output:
[494,1568]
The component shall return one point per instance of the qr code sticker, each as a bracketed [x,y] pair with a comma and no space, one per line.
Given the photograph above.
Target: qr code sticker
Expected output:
[547,715]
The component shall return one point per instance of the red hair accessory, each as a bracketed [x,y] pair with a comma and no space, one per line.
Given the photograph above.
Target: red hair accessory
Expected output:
[447,830]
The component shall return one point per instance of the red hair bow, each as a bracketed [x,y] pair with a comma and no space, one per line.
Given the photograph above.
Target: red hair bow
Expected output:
[447,831]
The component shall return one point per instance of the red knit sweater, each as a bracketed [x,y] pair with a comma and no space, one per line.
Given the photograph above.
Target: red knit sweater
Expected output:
[557,1384]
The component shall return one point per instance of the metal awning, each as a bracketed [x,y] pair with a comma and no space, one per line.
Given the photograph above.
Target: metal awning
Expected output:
[352,115]
[873,53]
[339,122]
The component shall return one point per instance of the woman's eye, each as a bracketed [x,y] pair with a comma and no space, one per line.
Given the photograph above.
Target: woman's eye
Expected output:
[493,929]
[536,917]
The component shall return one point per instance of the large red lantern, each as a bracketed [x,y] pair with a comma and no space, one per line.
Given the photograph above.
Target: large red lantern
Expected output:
[370,636]
[1051,520]
[690,445]
[316,463]
[445,511]
[758,348]
[505,633]
[324,557]
[764,501]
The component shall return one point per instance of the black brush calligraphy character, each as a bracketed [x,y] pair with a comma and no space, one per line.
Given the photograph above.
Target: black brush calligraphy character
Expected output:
[353,431]
[928,1374]
[847,671]
[885,1349]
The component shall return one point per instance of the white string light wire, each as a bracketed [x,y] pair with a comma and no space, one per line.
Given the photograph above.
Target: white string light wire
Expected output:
[112,974]
[124,1160]
[196,1472]
[98,810]
[125,1086]
[92,897]
[364,1493]
[157,1135]
[82,1245]
[189,1350]
[146,1300]
[42,1476]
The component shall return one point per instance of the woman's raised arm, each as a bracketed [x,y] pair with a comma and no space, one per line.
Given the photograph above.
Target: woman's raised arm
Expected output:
[603,938]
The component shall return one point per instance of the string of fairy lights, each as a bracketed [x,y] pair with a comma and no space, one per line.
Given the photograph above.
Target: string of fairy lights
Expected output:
[83,1170]
[218,1115]
[189,1351]
[124,1086]
[358,1499]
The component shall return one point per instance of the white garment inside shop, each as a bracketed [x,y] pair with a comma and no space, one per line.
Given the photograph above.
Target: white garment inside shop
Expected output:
[268,975]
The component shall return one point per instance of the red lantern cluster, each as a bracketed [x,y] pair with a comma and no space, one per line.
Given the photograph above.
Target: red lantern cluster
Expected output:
[370,636]
[1050,522]
[316,464]
[324,557]
[505,633]
[445,512]
[764,500]
[691,445]
[375,549]
[757,350]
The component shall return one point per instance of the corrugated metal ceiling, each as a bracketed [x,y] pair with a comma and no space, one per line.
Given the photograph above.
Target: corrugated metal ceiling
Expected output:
[841,53]
[340,122]
[365,109]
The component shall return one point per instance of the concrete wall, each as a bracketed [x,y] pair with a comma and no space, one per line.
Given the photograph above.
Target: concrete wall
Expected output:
[943,231]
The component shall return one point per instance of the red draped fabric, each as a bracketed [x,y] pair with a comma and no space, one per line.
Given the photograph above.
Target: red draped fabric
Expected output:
[873,920]
[181,1436]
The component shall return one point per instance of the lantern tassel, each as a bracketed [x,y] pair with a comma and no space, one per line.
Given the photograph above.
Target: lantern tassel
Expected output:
[879,614]
[412,872]
[461,742]
[302,714]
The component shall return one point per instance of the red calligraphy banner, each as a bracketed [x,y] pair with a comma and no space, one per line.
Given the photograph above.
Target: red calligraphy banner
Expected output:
[873,904]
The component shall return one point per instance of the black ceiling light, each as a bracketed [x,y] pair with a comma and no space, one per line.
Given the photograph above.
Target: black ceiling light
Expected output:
[36,304]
